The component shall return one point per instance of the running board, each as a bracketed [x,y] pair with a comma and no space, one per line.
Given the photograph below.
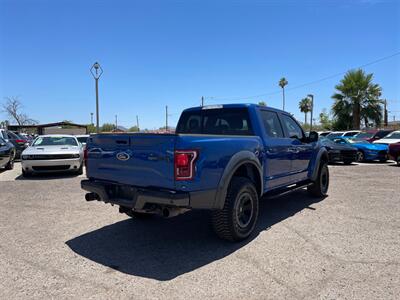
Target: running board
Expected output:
[286,190]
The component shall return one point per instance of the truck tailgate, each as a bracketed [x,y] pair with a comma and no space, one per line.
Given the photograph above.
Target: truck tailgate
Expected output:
[135,159]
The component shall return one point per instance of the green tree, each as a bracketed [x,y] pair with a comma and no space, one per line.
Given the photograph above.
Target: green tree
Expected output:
[282,83]
[107,127]
[262,103]
[133,129]
[305,107]
[357,98]
[326,123]
[91,128]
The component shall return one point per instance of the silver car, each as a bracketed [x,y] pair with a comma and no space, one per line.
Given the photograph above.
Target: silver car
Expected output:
[53,153]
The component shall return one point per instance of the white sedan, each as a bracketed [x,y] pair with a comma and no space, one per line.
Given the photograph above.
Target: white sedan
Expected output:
[53,153]
[391,138]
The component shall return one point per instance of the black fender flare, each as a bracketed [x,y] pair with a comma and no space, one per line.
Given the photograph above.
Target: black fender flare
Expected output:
[236,161]
[321,155]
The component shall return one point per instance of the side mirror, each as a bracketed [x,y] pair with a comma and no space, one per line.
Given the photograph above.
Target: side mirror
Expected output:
[313,137]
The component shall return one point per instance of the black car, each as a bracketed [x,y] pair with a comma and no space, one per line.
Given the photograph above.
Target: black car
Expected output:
[7,154]
[339,152]
[19,142]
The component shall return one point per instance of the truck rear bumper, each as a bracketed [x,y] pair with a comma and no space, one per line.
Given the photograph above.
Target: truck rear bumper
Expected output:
[140,198]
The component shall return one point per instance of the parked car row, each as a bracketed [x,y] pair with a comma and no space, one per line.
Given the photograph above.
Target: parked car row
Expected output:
[46,153]
[7,154]
[20,143]
[351,146]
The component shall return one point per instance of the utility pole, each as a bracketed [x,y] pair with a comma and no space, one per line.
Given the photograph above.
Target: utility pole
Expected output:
[166,118]
[312,109]
[91,118]
[96,71]
[137,123]
[385,114]
[202,101]
[116,122]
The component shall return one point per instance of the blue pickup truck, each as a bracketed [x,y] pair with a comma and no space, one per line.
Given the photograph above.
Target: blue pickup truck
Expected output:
[222,158]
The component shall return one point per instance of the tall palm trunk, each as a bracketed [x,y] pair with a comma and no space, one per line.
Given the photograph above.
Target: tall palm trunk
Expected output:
[305,118]
[283,98]
[356,115]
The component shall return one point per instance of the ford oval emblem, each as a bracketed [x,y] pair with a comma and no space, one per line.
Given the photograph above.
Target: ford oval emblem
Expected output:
[123,156]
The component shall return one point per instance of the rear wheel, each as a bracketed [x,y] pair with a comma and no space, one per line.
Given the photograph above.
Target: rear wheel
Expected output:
[319,188]
[236,221]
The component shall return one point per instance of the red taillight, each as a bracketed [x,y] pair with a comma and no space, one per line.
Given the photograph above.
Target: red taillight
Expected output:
[85,156]
[21,141]
[184,164]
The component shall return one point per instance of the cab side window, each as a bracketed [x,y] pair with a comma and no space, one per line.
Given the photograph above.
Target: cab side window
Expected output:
[272,124]
[292,129]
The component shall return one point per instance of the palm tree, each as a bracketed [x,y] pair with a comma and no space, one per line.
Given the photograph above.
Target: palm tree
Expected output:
[305,107]
[357,98]
[282,83]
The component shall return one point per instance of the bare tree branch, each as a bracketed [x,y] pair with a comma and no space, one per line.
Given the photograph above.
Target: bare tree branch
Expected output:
[13,107]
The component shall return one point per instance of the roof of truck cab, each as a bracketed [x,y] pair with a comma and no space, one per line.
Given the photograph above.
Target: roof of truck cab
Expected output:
[236,105]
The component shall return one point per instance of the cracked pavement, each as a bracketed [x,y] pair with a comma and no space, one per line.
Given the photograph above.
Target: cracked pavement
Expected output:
[53,244]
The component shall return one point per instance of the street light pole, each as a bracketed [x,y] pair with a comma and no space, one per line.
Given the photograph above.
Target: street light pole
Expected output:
[91,118]
[312,109]
[96,71]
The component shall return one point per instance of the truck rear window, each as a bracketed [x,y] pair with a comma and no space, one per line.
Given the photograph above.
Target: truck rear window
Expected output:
[224,121]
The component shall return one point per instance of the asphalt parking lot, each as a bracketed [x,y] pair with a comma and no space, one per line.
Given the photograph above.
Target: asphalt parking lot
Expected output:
[53,244]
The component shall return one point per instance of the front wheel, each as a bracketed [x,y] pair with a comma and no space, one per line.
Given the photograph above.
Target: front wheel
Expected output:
[26,173]
[80,170]
[319,188]
[236,221]
[360,156]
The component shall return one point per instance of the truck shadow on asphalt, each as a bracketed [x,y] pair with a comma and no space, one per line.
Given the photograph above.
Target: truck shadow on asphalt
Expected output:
[163,249]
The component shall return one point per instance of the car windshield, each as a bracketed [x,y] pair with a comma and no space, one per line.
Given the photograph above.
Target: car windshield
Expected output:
[82,139]
[364,135]
[55,141]
[358,142]
[339,141]
[393,135]
[334,135]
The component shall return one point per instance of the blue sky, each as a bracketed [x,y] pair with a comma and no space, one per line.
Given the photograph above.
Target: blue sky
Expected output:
[157,53]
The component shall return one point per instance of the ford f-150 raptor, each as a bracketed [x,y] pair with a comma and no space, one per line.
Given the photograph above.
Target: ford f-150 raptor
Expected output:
[222,158]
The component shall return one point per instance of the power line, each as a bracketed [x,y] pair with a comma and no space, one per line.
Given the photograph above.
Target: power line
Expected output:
[304,84]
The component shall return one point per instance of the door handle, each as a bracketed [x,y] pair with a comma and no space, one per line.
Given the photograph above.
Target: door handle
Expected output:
[294,150]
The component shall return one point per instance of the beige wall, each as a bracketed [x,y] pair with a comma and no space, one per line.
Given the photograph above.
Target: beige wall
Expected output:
[57,130]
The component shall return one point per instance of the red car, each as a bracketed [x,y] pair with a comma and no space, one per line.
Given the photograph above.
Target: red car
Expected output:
[394,152]
[372,135]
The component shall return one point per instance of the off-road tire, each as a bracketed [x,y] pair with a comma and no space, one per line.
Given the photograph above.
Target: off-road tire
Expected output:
[241,200]
[319,188]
